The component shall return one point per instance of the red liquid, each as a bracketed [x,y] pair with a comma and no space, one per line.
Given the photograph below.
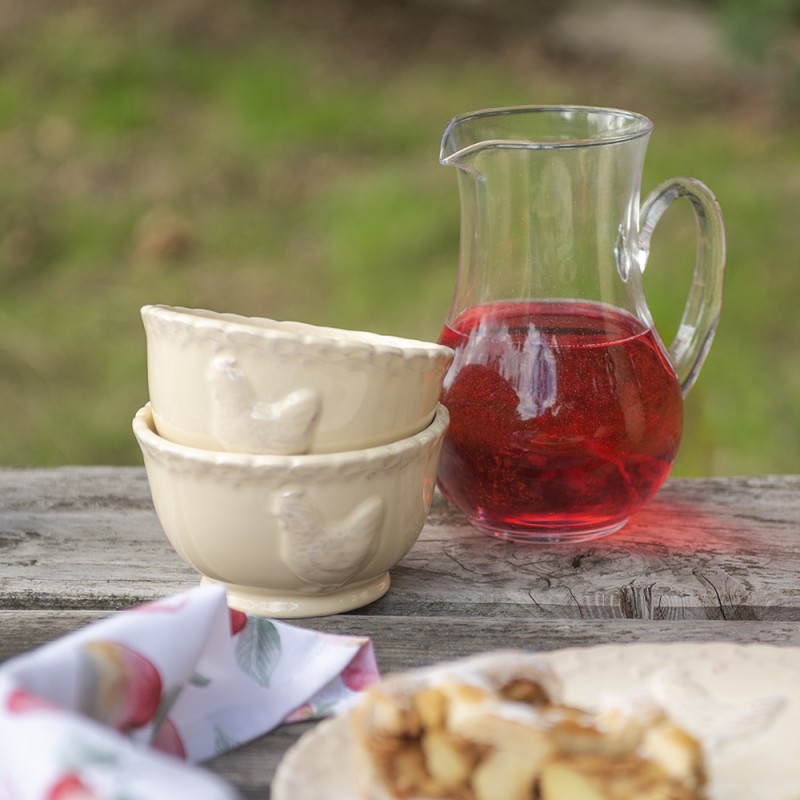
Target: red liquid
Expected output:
[565,417]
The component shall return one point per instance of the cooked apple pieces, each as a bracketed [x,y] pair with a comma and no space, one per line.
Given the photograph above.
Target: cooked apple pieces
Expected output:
[492,727]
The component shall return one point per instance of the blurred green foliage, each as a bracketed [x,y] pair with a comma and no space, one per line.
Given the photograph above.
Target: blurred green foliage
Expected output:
[250,158]
[764,35]
[756,28]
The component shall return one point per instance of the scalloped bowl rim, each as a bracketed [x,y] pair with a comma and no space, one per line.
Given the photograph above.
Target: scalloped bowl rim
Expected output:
[298,332]
[145,432]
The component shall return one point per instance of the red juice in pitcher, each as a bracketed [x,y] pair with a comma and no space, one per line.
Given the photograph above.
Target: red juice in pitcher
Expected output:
[565,417]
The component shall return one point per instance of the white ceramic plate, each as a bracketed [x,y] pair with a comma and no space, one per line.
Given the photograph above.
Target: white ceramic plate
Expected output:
[742,701]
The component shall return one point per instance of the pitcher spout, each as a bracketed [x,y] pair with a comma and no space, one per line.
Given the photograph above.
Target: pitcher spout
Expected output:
[469,134]
[459,141]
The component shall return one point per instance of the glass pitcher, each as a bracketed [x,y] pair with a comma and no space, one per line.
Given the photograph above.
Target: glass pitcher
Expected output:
[565,406]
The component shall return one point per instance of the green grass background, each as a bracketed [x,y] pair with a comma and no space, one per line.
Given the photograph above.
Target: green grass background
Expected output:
[252,159]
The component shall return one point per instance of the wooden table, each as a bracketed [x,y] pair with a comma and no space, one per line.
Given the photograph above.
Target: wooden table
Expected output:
[709,559]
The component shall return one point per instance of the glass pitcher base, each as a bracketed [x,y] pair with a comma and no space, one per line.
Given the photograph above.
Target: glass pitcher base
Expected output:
[545,534]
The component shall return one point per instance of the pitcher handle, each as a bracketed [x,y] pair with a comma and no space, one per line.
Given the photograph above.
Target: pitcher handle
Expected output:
[690,346]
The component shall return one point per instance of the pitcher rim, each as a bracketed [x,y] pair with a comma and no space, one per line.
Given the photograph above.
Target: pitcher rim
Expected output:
[643,127]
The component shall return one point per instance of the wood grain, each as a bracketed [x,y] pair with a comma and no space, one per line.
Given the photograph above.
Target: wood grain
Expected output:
[708,560]
[722,549]
[403,643]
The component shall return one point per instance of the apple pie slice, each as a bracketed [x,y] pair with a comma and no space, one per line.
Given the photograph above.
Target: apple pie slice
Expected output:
[492,727]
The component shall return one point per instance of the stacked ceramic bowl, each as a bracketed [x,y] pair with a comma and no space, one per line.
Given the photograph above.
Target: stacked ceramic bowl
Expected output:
[294,464]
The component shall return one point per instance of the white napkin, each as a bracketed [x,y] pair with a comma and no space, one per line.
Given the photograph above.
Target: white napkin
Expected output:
[86,715]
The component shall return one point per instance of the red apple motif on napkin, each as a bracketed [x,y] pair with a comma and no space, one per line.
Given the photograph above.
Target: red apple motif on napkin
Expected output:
[120,687]
[238,620]
[70,787]
[361,672]
[168,740]
[20,701]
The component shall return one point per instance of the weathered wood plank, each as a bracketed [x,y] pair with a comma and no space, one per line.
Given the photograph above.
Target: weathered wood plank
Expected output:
[704,549]
[406,643]
[83,537]
[709,559]
[401,643]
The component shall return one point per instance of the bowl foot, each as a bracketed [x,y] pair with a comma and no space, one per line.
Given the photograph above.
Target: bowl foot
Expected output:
[288,605]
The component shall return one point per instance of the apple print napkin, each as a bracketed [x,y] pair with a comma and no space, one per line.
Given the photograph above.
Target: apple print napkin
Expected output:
[121,709]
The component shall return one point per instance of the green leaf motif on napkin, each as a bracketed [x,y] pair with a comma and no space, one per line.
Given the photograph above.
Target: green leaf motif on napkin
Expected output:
[223,742]
[201,681]
[258,649]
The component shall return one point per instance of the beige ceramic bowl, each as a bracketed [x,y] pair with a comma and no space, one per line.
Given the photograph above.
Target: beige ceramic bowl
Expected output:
[253,385]
[294,536]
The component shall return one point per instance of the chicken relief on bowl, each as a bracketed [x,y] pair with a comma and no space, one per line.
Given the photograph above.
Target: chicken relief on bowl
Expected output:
[294,536]
[254,385]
